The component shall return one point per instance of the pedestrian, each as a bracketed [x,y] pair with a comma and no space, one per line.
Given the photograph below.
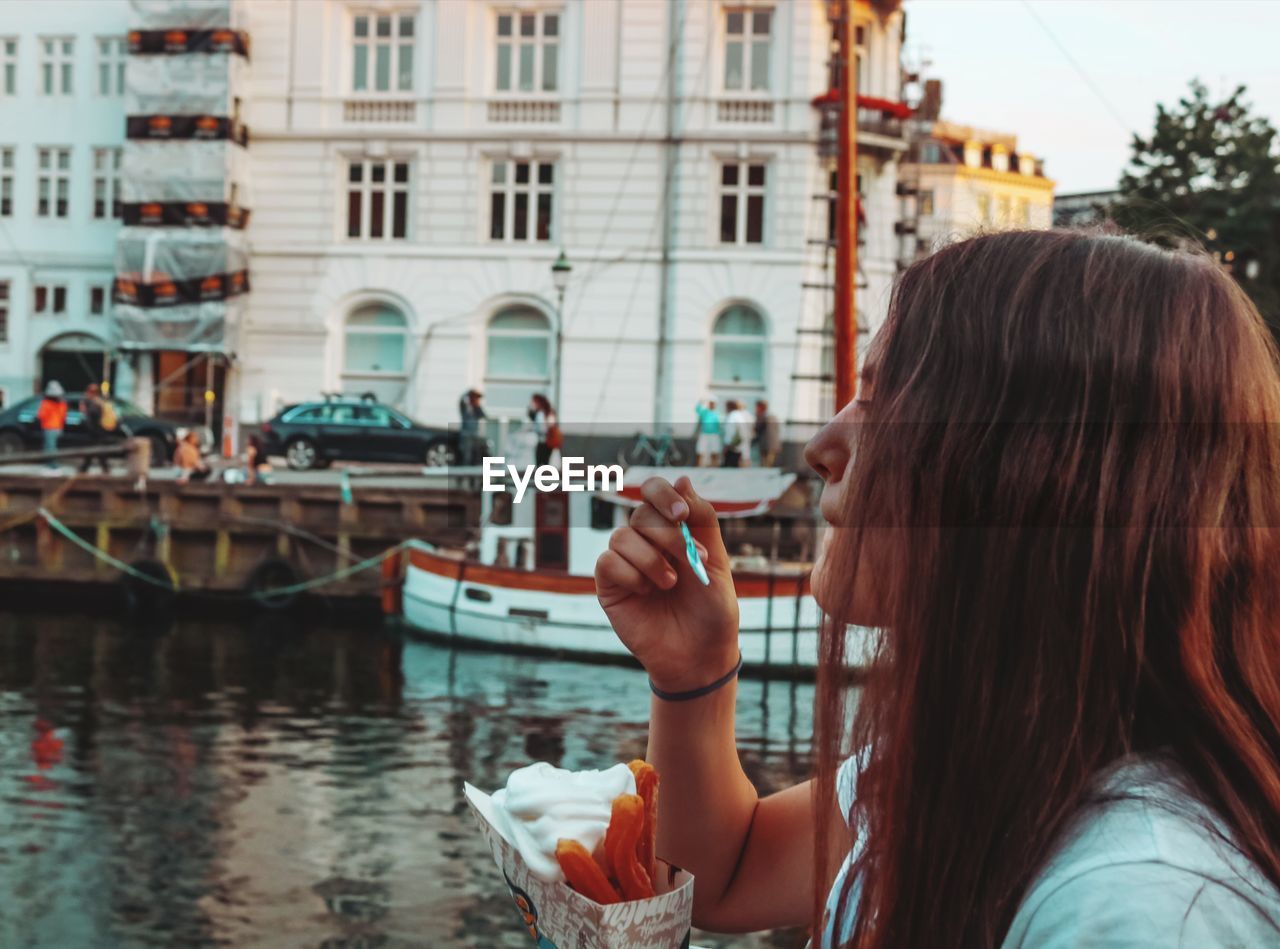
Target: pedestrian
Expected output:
[546,427]
[100,424]
[257,464]
[738,429]
[710,441]
[768,436]
[52,416]
[1067,727]
[470,441]
[189,460]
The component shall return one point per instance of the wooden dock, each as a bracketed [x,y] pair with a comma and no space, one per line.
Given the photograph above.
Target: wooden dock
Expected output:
[234,541]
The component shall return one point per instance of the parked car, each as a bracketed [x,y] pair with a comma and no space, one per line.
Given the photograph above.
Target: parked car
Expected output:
[314,434]
[20,432]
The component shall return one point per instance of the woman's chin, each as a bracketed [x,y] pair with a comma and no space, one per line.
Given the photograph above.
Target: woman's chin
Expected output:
[819,585]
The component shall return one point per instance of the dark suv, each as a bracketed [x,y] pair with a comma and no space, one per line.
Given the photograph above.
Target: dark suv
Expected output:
[20,431]
[314,434]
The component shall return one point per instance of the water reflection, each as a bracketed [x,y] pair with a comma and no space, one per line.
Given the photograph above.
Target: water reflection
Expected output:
[260,784]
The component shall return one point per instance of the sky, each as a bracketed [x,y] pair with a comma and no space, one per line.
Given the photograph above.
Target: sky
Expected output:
[1002,70]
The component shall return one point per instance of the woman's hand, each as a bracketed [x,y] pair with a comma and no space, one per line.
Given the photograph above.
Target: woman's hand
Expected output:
[684,634]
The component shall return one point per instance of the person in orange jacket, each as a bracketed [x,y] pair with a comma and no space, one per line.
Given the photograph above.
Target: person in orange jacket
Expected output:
[52,416]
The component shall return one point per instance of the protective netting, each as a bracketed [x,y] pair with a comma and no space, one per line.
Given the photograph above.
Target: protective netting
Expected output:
[193,327]
[183,85]
[185,14]
[184,171]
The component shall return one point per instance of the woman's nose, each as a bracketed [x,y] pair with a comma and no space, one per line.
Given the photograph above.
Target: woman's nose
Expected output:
[829,451]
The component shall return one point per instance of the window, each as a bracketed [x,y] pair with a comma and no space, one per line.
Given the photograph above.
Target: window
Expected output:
[737,353]
[50,298]
[746,49]
[8,65]
[6,182]
[984,208]
[53,181]
[56,60]
[375,341]
[1002,209]
[382,53]
[106,182]
[311,413]
[528,53]
[4,311]
[378,199]
[97,301]
[930,154]
[521,191]
[1024,212]
[111,58]
[742,188]
[517,357]
[926,203]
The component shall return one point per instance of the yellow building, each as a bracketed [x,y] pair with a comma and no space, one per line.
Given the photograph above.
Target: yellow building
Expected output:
[963,179]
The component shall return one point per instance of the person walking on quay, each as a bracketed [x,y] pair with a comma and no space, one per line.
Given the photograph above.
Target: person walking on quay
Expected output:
[738,429]
[189,460]
[1067,727]
[100,425]
[470,441]
[768,437]
[52,417]
[710,441]
[546,426]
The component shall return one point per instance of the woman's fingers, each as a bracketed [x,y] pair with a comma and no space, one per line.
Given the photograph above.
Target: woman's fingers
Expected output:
[660,532]
[664,498]
[612,569]
[633,547]
[703,523]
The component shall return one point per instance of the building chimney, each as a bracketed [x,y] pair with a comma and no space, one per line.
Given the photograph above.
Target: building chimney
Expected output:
[931,104]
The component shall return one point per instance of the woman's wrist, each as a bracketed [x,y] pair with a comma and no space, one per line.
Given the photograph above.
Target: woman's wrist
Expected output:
[695,675]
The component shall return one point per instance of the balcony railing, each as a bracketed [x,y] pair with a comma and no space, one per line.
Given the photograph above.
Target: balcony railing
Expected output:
[379,111]
[524,111]
[745,111]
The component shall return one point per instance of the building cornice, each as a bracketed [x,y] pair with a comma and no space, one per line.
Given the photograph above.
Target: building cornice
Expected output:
[981,174]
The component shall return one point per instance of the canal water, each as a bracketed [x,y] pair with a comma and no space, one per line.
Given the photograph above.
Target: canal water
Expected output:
[268,784]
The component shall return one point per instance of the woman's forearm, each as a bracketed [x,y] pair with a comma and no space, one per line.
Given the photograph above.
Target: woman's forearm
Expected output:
[706,803]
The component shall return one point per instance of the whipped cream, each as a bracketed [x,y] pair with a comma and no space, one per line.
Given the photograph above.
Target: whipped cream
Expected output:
[542,804]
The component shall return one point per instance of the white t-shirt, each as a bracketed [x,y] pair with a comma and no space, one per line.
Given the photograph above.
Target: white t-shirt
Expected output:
[1139,867]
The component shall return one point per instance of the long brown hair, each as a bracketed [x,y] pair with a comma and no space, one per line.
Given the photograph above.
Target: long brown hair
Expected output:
[1071,459]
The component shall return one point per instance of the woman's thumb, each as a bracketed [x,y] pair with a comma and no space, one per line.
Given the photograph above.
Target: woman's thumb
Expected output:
[702,520]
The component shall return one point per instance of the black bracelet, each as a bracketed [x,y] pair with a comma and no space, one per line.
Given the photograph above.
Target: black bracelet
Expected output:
[698,693]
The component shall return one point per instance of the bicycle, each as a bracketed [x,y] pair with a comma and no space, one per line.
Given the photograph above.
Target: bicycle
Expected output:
[658,449]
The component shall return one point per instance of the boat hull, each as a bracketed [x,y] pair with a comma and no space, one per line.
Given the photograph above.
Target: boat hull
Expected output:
[530,611]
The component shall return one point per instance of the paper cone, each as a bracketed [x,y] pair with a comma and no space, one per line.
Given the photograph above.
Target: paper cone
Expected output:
[560,918]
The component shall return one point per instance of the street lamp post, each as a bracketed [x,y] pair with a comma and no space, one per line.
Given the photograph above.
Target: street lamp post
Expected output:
[560,271]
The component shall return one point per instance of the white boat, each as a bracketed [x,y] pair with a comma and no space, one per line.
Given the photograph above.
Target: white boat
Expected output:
[530,586]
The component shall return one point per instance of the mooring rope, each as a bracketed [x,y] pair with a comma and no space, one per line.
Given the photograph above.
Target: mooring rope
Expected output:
[304,586]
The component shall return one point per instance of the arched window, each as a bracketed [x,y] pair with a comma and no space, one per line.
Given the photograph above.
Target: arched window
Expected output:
[517,358]
[374,357]
[738,354]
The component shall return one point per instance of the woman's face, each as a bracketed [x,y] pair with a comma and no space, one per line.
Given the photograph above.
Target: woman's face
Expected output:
[830,453]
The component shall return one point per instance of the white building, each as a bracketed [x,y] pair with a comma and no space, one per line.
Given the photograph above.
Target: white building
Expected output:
[417,166]
[61,130]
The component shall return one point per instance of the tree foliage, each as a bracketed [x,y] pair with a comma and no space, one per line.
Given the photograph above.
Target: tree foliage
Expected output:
[1210,172]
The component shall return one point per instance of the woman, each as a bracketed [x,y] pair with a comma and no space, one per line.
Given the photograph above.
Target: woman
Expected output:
[189,459]
[545,427]
[52,419]
[1063,519]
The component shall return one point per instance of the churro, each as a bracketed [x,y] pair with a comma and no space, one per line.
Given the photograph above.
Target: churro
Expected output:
[583,873]
[647,788]
[621,842]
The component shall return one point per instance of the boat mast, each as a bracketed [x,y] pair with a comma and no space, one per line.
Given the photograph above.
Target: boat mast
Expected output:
[845,316]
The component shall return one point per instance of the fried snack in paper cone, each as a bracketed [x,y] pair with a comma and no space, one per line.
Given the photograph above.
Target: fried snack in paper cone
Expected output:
[621,848]
[647,787]
[559,918]
[583,873]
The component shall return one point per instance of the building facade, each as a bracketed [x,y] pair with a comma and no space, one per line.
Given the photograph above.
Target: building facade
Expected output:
[965,179]
[418,165]
[62,121]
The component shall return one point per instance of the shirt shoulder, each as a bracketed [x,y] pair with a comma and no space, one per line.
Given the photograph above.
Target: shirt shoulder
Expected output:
[1131,905]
